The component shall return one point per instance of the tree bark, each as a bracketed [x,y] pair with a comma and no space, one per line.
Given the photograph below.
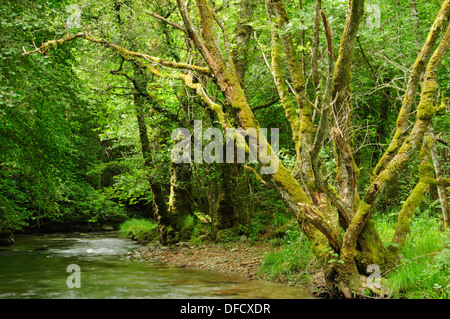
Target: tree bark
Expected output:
[342,132]
[437,172]
[426,178]
[243,33]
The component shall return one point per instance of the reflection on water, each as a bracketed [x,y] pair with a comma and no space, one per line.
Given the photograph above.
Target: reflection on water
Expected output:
[35,267]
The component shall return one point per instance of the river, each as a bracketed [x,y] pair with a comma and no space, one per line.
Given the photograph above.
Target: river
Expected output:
[35,267]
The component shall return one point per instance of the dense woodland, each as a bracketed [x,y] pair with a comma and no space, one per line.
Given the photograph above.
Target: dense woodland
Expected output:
[91,91]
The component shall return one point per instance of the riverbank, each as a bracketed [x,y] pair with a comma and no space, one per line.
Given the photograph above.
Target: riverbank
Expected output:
[237,258]
[422,272]
[286,259]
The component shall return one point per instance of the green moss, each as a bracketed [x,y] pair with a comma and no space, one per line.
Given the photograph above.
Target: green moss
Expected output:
[239,100]
[311,185]
[426,109]
[141,230]
[363,209]
[306,124]
[442,108]
[284,178]
[371,246]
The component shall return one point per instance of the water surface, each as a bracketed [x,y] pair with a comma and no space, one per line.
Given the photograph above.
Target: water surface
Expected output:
[36,267]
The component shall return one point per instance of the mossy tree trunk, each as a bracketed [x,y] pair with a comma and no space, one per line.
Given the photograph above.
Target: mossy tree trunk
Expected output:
[226,211]
[160,207]
[243,33]
[169,215]
[180,203]
[360,228]
[426,178]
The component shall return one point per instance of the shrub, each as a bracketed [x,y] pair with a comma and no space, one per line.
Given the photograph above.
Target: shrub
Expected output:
[141,230]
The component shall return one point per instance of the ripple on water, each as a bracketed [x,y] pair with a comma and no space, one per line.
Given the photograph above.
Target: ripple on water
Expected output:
[93,247]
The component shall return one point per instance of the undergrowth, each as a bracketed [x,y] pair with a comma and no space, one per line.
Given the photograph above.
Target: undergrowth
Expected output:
[424,268]
[141,230]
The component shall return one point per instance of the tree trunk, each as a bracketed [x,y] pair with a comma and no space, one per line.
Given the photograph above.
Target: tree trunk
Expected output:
[169,216]
[437,171]
[226,211]
[425,112]
[243,33]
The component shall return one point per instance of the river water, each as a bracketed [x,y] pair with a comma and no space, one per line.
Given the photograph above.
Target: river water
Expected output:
[37,267]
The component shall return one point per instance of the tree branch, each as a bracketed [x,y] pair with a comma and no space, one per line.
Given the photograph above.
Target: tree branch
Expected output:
[419,66]
[126,54]
[161,18]
[267,104]
[320,223]
[425,113]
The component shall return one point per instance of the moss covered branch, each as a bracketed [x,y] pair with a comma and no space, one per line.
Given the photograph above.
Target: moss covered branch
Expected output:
[127,54]
[408,100]
[290,110]
[402,228]
[347,171]
[425,113]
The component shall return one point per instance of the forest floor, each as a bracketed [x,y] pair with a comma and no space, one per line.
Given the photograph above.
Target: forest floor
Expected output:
[239,258]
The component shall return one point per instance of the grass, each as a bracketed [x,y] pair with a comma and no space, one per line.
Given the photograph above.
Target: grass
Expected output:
[141,230]
[424,269]
[291,261]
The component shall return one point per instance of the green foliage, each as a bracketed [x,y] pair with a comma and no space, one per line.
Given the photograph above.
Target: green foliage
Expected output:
[46,142]
[229,235]
[129,187]
[141,230]
[292,261]
[423,271]
[70,148]
[195,229]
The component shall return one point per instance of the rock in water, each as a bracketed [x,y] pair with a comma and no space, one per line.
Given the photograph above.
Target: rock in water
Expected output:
[6,238]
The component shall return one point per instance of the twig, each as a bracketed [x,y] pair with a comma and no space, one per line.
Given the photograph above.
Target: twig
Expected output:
[247,263]
[173,24]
